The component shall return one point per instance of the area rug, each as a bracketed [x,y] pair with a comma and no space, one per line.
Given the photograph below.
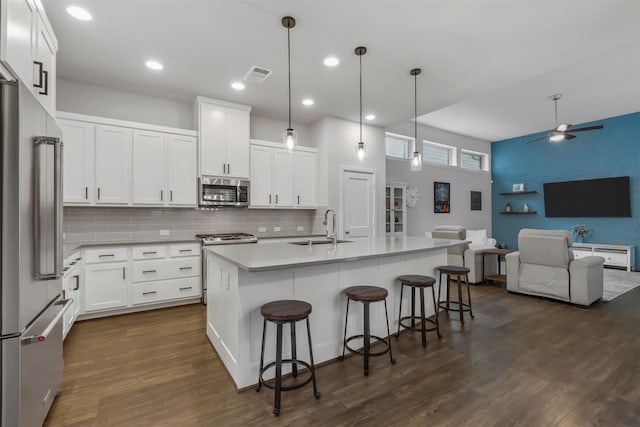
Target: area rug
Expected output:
[618,282]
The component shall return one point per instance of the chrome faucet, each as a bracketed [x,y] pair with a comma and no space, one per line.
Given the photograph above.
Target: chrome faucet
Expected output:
[330,236]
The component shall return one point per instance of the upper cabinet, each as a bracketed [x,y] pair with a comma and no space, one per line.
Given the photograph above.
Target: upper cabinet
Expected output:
[224,138]
[282,179]
[28,49]
[126,163]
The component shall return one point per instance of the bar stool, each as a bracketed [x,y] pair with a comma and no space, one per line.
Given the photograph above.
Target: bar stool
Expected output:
[420,282]
[366,295]
[281,313]
[457,273]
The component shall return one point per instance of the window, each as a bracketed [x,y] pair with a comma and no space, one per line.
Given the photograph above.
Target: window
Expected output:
[398,145]
[438,153]
[474,160]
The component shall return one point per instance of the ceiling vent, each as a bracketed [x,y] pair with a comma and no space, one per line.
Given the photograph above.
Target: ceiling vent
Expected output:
[257,74]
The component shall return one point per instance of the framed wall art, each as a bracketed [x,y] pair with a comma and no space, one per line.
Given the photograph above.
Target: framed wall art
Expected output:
[476,200]
[441,197]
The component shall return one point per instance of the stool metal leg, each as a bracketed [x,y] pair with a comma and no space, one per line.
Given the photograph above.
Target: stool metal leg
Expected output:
[466,278]
[436,308]
[460,299]
[400,310]
[316,393]
[439,287]
[423,319]
[448,291]
[413,306]
[264,330]
[367,338]
[276,404]
[294,355]
[344,341]
[386,315]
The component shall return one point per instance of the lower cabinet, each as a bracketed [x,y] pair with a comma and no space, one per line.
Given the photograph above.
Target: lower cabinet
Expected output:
[106,286]
[152,292]
[71,290]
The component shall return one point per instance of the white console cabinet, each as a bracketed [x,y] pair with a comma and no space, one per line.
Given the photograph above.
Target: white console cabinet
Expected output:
[614,255]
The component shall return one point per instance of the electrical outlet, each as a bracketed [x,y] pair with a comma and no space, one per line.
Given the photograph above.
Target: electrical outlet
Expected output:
[300,228]
[164,232]
[276,228]
[262,229]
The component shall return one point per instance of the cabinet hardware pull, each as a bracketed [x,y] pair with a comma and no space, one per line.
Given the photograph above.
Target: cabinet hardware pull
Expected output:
[39,84]
[224,169]
[276,199]
[86,193]
[171,195]
[298,199]
[149,293]
[186,288]
[77,279]
[148,271]
[161,195]
[185,250]
[186,268]
[269,198]
[149,253]
[123,273]
[98,193]
[105,255]
[46,83]
[228,169]
[72,263]
[78,259]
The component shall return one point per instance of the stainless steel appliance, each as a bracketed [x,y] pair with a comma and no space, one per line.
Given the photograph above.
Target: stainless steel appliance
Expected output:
[219,239]
[30,296]
[217,192]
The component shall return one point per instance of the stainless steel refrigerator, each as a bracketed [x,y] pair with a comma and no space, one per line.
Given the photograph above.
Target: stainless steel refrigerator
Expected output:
[30,296]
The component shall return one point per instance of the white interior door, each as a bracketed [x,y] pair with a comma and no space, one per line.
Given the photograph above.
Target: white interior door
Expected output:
[358,204]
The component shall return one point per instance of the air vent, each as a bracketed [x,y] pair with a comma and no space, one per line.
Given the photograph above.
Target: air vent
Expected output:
[257,74]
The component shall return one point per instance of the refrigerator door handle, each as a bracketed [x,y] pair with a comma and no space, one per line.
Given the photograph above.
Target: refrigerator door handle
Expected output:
[42,336]
[48,215]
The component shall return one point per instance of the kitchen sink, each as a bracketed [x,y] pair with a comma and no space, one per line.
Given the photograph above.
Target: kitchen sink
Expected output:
[318,242]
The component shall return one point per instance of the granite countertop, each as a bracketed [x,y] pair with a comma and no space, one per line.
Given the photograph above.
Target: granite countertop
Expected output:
[284,255]
[69,247]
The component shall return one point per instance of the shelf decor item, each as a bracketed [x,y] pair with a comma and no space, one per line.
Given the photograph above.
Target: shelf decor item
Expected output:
[516,188]
[525,208]
[441,197]
[413,196]
[507,207]
[581,231]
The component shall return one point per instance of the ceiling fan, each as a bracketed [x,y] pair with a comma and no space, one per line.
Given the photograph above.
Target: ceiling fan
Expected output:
[561,131]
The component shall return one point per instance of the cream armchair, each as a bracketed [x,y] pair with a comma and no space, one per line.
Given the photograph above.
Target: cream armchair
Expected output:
[545,266]
[469,255]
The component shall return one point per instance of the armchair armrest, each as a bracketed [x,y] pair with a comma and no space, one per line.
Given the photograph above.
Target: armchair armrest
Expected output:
[586,262]
[586,279]
[513,271]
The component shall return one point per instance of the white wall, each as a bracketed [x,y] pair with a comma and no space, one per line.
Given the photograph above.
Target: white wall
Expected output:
[336,140]
[422,218]
[271,130]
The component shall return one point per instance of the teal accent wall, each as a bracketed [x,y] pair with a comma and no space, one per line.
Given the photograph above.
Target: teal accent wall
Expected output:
[612,151]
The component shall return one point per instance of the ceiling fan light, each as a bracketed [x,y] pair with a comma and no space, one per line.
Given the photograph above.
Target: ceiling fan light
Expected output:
[563,127]
[556,137]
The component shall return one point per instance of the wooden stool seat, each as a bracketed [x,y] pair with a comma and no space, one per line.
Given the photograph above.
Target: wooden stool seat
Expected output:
[366,293]
[453,270]
[285,310]
[417,280]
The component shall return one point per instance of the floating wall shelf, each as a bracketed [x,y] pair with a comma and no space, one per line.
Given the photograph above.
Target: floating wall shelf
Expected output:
[519,213]
[514,193]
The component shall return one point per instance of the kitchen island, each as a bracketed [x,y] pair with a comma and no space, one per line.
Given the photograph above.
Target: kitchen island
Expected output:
[241,278]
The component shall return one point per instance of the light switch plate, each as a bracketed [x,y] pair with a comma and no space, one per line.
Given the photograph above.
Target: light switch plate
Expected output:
[276,228]
[164,232]
[300,228]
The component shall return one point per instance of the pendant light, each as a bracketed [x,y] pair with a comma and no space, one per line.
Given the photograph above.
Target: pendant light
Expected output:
[361,149]
[289,136]
[416,159]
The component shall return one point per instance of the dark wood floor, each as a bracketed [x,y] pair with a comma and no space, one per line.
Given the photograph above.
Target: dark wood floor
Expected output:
[522,361]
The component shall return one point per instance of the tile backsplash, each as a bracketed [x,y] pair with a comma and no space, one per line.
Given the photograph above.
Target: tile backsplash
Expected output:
[89,224]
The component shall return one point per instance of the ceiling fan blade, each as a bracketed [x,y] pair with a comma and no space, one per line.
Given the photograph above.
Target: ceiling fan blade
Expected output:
[538,139]
[568,136]
[587,128]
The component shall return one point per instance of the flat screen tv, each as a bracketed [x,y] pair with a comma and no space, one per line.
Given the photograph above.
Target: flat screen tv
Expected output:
[606,197]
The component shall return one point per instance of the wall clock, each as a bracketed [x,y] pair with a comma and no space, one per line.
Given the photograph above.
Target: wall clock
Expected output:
[413,196]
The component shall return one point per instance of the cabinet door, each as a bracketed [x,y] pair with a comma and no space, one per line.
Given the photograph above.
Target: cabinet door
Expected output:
[304,178]
[18,30]
[105,286]
[113,165]
[282,177]
[46,53]
[213,123]
[78,162]
[261,176]
[149,167]
[237,143]
[181,170]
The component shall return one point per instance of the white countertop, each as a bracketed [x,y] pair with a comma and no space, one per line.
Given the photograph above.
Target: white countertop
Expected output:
[273,256]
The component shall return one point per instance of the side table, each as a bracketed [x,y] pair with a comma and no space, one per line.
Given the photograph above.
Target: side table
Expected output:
[500,254]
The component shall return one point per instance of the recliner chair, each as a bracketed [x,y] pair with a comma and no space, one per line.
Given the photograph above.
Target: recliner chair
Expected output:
[544,266]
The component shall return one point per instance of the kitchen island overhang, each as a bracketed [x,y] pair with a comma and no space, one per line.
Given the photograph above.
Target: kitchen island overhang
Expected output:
[241,278]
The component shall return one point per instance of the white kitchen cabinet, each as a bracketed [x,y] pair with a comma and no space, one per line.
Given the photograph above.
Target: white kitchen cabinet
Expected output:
[395,210]
[78,161]
[181,170]
[113,164]
[224,138]
[46,49]
[149,167]
[282,179]
[305,169]
[71,290]
[106,286]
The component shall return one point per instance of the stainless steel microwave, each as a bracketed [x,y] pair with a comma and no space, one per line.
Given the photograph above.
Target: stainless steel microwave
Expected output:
[217,191]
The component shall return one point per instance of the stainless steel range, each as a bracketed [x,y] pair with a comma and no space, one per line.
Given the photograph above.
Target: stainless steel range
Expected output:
[219,239]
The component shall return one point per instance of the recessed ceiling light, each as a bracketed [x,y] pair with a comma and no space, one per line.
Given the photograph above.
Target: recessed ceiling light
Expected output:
[237,85]
[369,117]
[307,101]
[331,61]
[154,65]
[79,13]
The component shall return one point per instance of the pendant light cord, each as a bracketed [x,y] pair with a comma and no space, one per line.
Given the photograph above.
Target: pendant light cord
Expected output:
[289,66]
[360,98]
